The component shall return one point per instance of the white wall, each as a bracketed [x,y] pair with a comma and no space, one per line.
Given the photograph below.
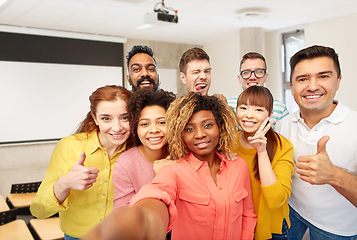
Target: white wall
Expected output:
[225,59]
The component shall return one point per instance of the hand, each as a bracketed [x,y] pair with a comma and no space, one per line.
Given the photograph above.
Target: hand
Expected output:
[81,177]
[259,141]
[316,169]
[232,156]
[221,97]
[158,164]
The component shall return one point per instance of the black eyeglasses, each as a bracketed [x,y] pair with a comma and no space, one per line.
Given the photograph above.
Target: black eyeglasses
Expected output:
[259,73]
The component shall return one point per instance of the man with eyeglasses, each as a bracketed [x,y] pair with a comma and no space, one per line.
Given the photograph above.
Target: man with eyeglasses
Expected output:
[253,72]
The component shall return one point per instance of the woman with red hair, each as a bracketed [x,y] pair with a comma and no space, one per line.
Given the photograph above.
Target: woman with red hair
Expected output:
[78,182]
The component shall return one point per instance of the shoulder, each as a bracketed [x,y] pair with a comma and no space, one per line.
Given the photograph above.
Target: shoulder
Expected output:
[129,155]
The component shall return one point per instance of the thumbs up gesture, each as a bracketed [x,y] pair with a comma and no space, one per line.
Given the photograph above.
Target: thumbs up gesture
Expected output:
[316,169]
[81,177]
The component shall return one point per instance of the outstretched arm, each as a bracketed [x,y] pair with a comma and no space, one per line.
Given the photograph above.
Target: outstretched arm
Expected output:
[147,219]
[318,169]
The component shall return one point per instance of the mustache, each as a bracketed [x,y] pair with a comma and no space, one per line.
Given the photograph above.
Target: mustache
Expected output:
[145,78]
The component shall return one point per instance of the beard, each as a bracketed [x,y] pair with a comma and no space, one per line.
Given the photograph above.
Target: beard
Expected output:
[142,79]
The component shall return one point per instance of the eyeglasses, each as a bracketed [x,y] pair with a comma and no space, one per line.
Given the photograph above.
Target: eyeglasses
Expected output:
[259,73]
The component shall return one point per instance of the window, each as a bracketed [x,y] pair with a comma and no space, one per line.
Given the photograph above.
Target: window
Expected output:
[292,42]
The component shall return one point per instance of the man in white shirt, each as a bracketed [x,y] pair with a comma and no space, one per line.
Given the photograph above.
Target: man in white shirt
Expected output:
[253,72]
[324,135]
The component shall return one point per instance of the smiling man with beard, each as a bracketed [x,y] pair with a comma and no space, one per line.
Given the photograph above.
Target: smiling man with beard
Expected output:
[142,70]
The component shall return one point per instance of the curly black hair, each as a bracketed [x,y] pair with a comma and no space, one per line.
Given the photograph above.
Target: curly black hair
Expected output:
[183,108]
[139,49]
[145,98]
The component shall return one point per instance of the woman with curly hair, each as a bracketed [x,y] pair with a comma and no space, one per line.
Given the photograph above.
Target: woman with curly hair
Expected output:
[134,168]
[201,196]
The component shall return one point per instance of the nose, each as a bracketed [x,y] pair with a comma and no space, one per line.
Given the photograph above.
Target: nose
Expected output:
[203,75]
[117,126]
[252,76]
[153,128]
[144,72]
[200,133]
[313,85]
[249,113]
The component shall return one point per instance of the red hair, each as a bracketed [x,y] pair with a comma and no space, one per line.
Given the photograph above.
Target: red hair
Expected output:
[106,93]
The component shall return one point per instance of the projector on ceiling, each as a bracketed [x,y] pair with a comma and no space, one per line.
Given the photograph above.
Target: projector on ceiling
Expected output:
[160,18]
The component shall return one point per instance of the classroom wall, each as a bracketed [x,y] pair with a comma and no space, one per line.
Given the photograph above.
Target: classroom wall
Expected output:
[225,59]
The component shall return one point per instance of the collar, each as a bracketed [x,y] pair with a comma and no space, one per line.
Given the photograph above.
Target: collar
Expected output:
[94,144]
[338,115]
[197,164]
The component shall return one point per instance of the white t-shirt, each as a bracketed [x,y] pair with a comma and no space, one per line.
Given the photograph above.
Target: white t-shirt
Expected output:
[322,205]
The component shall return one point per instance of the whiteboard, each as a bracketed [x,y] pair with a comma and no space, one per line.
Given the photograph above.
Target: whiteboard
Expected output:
[43,101]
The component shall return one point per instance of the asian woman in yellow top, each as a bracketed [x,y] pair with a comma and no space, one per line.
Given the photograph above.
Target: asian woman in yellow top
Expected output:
[270,162]
[78,182]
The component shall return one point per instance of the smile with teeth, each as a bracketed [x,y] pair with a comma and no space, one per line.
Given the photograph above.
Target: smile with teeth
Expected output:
[249,123]
[145,82]
[313,96]
[154,138]
[202,144]
[117,135]
[252,84]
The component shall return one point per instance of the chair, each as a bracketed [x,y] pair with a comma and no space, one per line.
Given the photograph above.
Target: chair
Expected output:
[3,204]
[13,229]
[21,196]
[48,228]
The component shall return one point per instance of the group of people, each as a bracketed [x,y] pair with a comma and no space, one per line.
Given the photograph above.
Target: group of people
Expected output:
[301,176]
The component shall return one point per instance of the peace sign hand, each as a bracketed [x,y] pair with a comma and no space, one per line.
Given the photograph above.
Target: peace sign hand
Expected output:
[259,141]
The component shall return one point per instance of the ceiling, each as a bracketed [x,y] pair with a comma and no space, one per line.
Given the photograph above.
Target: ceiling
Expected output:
[200,21]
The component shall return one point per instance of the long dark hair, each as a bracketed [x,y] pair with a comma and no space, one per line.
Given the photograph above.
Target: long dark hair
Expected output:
[261,96]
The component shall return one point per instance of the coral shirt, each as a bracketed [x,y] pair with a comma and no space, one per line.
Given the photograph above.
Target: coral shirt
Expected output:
[200,209]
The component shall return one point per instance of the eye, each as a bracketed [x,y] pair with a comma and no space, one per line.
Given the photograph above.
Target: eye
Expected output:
[246,72]
[162,122]
[259,71]
[301,79]
[208,125]
[125,118]
[189,129]
[259,110]
[242,108]
[208,71]
[152,69]
[143,124]
[135,69]
[324,76]
[105,119]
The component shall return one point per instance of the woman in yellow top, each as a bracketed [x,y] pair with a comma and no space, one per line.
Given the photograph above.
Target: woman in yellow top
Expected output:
[270,162]
[78,182]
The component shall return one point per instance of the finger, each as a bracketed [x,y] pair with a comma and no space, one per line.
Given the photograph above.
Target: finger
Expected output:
[321,144]
[303,159]
[267,127]
[262,127]
[93,170]
[81,159]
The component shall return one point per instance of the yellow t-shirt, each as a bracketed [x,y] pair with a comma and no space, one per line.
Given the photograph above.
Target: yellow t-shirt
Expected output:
[270,202]
[81,210]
